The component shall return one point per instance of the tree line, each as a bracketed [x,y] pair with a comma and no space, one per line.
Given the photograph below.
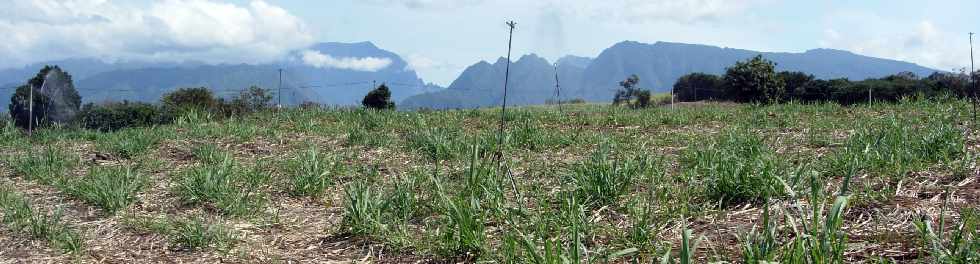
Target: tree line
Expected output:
[50,98]
[756,80]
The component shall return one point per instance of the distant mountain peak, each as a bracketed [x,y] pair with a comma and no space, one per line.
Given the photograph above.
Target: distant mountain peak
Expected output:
[829,51]
[574,61]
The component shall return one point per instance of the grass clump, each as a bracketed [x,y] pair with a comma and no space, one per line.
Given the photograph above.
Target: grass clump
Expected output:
[736,167]
[224,185]
[110,188]
[47,167]
[960,245]
[190,233]
[371,210]
[312,173]
[894,147]
[363,209]
[21,217]
[128,143]
[603,178]
[435,142]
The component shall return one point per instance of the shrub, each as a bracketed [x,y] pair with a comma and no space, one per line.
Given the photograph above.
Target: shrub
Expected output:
[249,101]
[379,98]
[110,117]
[186,99]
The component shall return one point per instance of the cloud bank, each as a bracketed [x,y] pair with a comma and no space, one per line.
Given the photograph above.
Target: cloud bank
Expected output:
[167,30]
[367,64]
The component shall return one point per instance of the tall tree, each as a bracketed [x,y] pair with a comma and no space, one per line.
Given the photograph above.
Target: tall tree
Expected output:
[754,80]
[55,99]
[697,87]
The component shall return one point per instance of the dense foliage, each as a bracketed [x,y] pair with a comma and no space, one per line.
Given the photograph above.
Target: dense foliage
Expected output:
[116,116]
[754,81]
[186,99]
[20,107]
[631,94]
[379,98]
[249,101]
[53,102]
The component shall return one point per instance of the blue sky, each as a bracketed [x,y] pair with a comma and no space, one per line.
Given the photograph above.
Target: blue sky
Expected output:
[440,38]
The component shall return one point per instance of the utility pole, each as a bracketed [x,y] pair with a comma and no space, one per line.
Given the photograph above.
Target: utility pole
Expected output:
[557,87]
[503,107]
[279,94]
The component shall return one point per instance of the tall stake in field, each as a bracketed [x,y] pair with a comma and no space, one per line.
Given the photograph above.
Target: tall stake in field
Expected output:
[503,107]
[503,116]
[974,81]
[279,94]
[30,112]
[30,108]
[557,88]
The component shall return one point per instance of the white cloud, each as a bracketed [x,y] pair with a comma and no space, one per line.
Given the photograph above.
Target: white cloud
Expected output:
[923,43]
[320,60]
[428,4]
[167,30]
[420,62]
[643,11]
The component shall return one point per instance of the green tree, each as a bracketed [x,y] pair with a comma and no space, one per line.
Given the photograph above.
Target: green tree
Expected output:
[754,80]
[697,87]
[252,100]
[379,98]
[185,99]
[630,90]
[795,84]
[55,99]
[20,107]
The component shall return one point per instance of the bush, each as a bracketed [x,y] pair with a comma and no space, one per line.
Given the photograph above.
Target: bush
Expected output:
[379,98]
[630,90]
[187,99]
[115,116]
[249,101]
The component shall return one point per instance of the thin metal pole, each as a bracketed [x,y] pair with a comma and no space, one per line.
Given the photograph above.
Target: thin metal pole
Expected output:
[30,111]
[557,87]
[279,94]
[974,81]
[503,107]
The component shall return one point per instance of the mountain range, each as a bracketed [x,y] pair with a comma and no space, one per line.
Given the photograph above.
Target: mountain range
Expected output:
[658,65]
[341,73]
[338,81]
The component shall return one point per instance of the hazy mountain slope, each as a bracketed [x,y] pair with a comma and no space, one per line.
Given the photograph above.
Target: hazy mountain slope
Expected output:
[658,65]
[99,81]
[532,81]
